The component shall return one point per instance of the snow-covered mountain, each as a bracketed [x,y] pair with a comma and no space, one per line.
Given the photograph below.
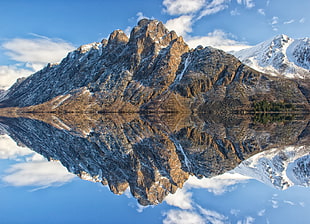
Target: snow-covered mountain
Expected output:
[279,168]
[281,55]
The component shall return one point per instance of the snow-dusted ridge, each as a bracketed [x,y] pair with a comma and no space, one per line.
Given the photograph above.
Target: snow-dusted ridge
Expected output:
[279,168]
[280,56]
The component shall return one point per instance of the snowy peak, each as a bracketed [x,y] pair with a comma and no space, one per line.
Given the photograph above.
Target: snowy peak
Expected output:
[280,168]
[280,56]
[299,52]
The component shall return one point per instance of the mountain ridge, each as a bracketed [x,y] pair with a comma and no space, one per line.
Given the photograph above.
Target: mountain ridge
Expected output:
[280,56]
[152,71]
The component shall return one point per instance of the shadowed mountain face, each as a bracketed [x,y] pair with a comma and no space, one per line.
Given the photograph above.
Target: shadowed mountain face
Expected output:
[152,155]
[151,71]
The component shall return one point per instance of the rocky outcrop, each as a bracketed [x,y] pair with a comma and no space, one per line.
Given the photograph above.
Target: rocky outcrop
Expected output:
[151,154]
[151,71]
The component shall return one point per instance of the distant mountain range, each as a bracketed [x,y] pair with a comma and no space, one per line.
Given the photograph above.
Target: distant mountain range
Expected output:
[281,56]
[154,71]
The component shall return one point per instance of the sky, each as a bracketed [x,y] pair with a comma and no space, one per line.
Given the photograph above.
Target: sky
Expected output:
[36,32]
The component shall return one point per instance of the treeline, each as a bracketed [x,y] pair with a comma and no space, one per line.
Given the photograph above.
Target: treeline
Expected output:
[266,106]
[265,118]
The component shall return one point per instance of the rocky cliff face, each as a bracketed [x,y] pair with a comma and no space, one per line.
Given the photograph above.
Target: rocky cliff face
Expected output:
[151,71]
[153,154]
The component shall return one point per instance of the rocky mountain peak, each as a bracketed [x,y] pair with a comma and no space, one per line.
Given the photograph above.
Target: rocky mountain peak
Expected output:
[117,37]
[151,34]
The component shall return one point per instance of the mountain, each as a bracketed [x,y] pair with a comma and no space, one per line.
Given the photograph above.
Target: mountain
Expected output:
[152,71]
[153,155]
[280,56]
[280,168]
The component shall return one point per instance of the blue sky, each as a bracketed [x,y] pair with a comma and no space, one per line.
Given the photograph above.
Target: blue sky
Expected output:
[35,32]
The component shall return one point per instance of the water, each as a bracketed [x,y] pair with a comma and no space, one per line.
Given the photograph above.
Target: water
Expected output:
[153,169]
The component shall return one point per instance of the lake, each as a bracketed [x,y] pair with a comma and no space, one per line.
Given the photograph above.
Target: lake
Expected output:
[154,168]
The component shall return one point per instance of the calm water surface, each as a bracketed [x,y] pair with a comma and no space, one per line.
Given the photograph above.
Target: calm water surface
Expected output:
[133,169]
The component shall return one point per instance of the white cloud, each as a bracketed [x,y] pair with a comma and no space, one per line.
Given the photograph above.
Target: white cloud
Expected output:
[218,185]
[181,25]
[37,173]
[9,74]
[261,212]
[141,16]
[218,39]
[302,20]
[275,204]
[213,7]
[234,212]
[180,198]
[10,150]
[212,216]
[179,7]
[261,11]
[247,220]
[182,217]
[289,22]
[289,202]
[248,3]
[38,51]
[235,12]
[34,53]
[275,20]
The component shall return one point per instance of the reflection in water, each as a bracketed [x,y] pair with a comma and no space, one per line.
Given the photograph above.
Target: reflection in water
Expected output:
[154,155]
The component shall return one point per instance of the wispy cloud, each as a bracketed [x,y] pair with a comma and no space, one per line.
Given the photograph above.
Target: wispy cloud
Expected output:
[141,16]
[289,22]
[213,7]
[191,14]
[261,212]
[235,12]
[247,220]
[218,39]
[30,55]
[37,51]
[302,20]
[275,20]
[179,7]
[261,11]
[37,173]
[248,3]
[182,217]
[217,185]
[213,216]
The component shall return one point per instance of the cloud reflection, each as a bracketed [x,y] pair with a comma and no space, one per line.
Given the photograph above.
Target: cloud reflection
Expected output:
[37,173]
[10,150]
[35,170]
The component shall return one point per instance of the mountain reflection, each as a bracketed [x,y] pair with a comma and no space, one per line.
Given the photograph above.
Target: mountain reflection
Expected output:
[152,154]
